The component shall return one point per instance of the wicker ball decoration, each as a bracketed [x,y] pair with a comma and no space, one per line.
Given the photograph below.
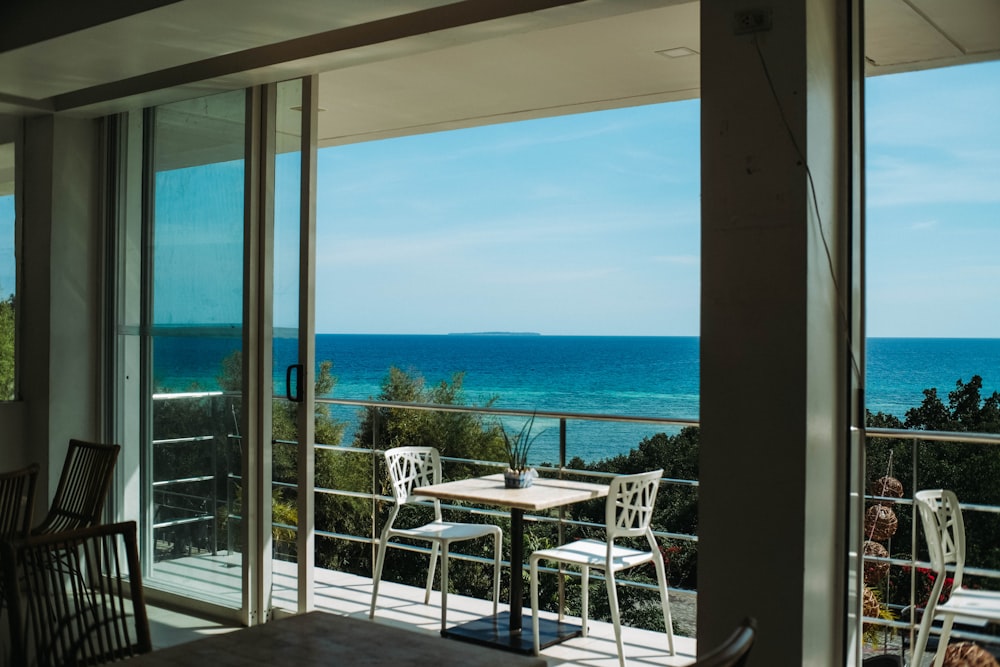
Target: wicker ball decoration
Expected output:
[880,523]
[875,571]
[889,487]
[869,605]
[967,654]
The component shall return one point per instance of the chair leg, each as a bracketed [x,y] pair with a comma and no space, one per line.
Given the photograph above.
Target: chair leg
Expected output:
[377,575]
[943,641]
[497,546]
[609,576]
[661,577]
[533,572]
[444,587]
[584,600]
[430,573]
[920,645]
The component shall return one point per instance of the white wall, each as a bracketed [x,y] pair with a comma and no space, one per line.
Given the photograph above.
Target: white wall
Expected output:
[60,301]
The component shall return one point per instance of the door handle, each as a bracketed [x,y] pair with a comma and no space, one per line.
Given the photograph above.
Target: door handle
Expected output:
[295,397]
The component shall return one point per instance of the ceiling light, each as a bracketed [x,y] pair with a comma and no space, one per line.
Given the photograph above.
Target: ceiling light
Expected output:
[678,52]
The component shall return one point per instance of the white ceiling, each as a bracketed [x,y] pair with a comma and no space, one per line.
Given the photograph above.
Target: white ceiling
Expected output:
[396,67]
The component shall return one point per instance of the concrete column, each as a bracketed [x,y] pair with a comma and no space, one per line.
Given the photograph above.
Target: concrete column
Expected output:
[776,368]
[60,291]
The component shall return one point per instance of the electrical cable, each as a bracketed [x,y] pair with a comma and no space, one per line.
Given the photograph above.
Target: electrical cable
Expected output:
[845,321]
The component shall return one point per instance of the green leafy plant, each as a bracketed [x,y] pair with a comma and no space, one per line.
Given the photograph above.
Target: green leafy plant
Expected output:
[518,446]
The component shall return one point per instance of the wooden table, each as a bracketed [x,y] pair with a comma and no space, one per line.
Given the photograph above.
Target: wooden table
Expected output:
[321,639]
[512,631]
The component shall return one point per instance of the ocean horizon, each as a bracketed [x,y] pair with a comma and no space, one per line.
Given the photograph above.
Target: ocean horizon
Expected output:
[646,376]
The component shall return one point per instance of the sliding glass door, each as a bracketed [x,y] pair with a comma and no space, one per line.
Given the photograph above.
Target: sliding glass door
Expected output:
[227,468]
[292,346]
[194,312]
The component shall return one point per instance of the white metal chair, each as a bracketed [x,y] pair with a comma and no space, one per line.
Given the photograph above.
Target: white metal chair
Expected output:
[944,530]
[627,513]
[411,467]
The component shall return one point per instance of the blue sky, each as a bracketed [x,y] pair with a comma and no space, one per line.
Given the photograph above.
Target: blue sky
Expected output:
[7,278]
[589,224]
[584,224]
[933,179]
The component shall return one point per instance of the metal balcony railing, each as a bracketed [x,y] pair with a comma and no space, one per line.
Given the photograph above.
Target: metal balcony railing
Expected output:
[907,564]
[904,561]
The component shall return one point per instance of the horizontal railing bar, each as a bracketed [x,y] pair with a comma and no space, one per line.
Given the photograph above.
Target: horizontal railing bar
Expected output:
[541,414]
[939,436]
[180,522]
[167,482]
[187,394]
[176,441]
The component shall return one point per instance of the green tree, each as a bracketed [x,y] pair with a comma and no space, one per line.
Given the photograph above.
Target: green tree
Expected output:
[455,434]
[970,470]
[285,448]
[7,357]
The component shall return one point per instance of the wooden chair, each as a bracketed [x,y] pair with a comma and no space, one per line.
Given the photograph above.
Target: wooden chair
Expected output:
[627,513]
[734,651]
[944,528]
[17,500]
[410,467]
[83,487]
[66,597]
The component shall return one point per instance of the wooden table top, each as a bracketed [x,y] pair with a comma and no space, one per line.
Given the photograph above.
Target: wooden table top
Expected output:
[544,493]
[319,638]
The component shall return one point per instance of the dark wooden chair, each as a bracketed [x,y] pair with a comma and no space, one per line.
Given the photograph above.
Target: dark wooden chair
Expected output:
[17,500]
[734,651]
[75,597]
[83,487]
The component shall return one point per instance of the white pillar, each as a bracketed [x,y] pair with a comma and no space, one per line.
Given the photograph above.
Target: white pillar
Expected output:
[779,253]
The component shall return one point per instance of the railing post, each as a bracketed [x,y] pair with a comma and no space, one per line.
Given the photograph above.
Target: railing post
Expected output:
[376,427]
[562,511]
[913,541]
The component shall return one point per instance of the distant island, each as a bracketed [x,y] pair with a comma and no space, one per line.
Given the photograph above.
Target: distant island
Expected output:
[496,333]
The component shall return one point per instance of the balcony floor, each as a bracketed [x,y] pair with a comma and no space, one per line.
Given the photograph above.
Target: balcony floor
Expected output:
[398,605]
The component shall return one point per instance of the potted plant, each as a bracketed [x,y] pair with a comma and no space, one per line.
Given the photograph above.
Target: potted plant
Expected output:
[518,475]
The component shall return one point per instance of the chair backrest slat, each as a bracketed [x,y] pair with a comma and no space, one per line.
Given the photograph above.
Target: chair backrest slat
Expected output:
[83,487]
[17,500]
[411,467]
[629,507]
[944,529]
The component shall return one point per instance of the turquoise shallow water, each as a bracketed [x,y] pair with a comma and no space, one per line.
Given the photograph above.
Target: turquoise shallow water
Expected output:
[644,376]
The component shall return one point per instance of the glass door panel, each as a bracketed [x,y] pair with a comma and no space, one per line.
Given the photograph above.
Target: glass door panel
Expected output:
[193,480]
[288,375]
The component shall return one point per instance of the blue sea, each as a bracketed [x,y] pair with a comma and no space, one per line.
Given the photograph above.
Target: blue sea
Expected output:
[618,375]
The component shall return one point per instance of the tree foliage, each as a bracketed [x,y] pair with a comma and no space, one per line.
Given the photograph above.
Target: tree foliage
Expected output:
[970,470]
[7,350]
[455,434]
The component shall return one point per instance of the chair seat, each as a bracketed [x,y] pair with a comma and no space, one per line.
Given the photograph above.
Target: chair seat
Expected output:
[592,553]
[446,530]
[972,603]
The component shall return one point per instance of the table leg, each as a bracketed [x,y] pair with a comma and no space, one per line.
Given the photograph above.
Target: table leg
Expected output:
[508,631]
[516,559]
